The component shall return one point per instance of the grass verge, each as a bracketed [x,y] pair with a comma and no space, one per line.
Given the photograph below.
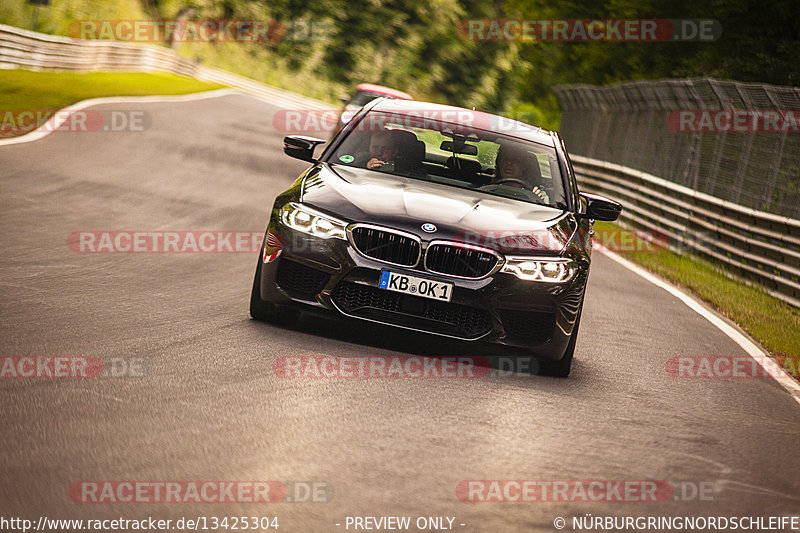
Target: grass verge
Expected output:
[25,90]
[770,321]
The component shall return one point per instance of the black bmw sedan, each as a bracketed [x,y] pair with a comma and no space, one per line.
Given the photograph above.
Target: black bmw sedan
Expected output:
[435,219]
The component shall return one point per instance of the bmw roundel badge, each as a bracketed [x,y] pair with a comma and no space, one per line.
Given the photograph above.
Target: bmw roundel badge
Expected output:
[428,227]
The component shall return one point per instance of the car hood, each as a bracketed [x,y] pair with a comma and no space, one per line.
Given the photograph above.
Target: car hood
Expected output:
[505,225]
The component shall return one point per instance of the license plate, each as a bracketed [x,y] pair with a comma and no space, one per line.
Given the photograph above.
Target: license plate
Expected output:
[436,290]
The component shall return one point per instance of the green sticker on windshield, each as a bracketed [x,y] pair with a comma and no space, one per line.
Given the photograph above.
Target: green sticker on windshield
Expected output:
[347,158]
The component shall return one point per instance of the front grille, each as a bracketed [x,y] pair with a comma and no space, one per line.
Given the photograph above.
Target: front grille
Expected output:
[411,311]
[300,279]
[459,261]
[528,326]
[386,245]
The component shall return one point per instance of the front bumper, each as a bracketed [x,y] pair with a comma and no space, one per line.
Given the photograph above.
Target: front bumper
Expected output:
[331,275]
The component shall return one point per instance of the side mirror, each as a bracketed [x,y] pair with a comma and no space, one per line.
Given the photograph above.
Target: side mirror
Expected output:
[301,147]
[600,207]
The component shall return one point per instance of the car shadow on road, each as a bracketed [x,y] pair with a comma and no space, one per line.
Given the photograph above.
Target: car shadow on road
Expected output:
[506,359]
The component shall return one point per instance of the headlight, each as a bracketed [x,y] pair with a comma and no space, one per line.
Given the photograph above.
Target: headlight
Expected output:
[547,269]
[303,218]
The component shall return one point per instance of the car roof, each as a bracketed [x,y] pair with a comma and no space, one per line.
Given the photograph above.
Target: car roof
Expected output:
[380,89]
[477,119]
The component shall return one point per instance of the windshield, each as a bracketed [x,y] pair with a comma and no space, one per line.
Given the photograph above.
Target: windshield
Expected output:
[454,155]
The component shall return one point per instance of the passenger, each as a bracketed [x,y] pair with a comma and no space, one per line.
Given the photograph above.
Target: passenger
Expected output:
[516,167]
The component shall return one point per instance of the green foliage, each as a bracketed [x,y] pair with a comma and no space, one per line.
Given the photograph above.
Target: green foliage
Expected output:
[59,14]
[545,114]
[760,42]
[413,45]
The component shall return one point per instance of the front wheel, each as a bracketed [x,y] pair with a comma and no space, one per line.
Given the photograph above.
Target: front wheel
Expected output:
[562,367]
[264,311]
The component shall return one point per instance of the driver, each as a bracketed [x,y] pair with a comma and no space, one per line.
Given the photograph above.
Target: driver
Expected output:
[382,149]
[516,167]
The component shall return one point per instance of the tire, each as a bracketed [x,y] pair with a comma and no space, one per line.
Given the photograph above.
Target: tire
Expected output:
[562,367]
[264,311]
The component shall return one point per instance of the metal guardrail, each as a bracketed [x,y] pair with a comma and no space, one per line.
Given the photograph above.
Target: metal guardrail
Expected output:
[754,244]
[736,141]
[37,51]
[707,188]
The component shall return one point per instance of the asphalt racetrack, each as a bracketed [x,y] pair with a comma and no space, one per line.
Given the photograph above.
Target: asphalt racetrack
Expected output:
[205,401]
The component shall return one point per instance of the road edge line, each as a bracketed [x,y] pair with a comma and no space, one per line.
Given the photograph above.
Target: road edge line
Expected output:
[753,350]
[60,116]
